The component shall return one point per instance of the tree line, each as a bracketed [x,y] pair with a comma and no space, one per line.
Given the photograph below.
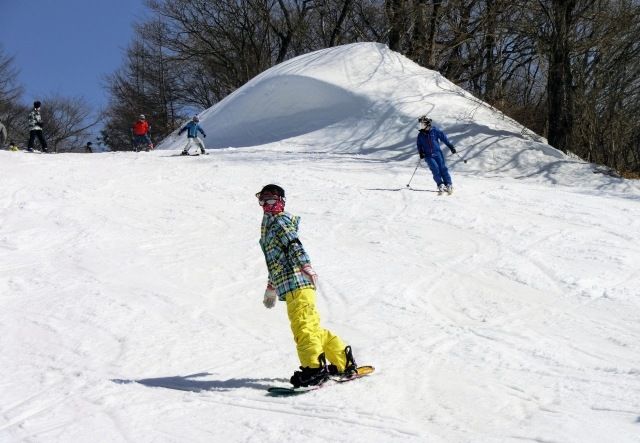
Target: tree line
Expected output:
[566,69]
[68,119]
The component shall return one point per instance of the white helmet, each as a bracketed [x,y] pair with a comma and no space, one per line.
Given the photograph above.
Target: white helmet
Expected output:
[141,117]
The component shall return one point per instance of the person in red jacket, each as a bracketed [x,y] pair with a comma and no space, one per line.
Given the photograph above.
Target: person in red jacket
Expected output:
[140,134]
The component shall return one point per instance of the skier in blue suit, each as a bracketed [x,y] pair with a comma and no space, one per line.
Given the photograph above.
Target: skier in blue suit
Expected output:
[192,129]
[428,143]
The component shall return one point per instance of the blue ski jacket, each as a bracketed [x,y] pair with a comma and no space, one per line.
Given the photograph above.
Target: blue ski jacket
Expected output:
[429,141]
[192,128]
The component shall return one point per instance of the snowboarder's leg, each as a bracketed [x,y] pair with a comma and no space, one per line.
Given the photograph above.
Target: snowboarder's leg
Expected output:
[334,349]
[434,166]
[32,139]
[311,339]
[305,325]
[43,143]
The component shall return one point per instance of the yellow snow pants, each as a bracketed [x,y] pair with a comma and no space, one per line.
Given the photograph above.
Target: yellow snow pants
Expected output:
[311,339]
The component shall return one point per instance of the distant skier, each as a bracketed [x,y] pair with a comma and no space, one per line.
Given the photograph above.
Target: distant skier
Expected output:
[429,150]
[13,147]
[192,129]
[3,134]
[88,148]
[35,128]
[141,134]
[293,280]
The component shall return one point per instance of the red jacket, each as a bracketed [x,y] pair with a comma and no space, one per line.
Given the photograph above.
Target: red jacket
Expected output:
[141,127]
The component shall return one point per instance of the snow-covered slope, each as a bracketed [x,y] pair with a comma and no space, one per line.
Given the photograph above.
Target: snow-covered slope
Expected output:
[131,283]
[364,99]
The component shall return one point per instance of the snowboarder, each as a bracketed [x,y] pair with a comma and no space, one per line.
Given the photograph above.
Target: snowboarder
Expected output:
[35,128]
[192,129]
[429,150]
[141,134]
[293,280]
[88,148]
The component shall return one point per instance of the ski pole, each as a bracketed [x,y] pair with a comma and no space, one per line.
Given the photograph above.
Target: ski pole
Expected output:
[414,172]
[460,157]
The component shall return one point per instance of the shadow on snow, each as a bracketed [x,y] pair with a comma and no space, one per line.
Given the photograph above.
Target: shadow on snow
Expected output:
[196,383]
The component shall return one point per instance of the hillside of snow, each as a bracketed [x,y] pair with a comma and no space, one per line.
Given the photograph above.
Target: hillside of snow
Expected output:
[364,100]
[131,285]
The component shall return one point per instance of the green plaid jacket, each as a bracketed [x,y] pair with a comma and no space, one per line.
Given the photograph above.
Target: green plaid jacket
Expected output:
[284,253]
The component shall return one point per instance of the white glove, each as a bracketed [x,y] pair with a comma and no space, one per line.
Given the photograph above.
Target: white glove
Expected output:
[311,274]
[270,297]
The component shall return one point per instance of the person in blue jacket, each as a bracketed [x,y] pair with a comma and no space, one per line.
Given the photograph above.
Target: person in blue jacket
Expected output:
[192,129]
[428,142]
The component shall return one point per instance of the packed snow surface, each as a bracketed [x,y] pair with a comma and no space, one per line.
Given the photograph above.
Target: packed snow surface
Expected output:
[131,285]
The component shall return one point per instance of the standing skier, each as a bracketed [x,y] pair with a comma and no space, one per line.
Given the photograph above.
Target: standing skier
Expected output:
[192,129]
[3,134]
[429,150]
[293,280]
[35,128]
[140,133]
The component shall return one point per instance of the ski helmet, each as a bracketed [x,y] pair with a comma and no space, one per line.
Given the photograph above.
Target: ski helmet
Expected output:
[36,104]
[272,199]
[196,118]
[271,189]
[142,117]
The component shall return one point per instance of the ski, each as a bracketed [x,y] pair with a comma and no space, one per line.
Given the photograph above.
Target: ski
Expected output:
[279,391]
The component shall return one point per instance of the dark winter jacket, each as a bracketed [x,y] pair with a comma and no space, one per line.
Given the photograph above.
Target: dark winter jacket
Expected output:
[429,141]
[35,120]
[3,134]
[192,129]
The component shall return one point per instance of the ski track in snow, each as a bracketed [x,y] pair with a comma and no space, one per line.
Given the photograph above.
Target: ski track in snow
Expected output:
[131,291]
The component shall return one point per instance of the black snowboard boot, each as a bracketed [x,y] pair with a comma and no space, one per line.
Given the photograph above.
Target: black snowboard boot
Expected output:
[311,376]
[350,368]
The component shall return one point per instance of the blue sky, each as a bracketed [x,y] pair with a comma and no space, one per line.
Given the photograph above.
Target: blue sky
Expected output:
[66,47]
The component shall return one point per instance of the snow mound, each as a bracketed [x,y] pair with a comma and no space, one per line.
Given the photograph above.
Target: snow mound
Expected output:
[364,99]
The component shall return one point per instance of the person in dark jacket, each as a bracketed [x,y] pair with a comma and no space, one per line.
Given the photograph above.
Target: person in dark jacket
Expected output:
[35,128]
[192,129]
[292,280]
[3,134]
[428,143]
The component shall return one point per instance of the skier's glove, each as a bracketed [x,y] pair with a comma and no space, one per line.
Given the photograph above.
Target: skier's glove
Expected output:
[421,155]
[270,297]
[311,274]
[453,150]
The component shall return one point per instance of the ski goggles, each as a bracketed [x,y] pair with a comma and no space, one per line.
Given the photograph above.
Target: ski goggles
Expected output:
[268,199]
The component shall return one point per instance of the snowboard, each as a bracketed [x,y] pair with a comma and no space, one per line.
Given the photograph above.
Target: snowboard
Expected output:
[279,391]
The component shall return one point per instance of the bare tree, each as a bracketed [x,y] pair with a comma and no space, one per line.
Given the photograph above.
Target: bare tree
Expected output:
[68,122]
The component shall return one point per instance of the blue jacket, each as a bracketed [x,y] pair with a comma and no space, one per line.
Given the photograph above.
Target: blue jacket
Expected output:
[192,128]
[428,141]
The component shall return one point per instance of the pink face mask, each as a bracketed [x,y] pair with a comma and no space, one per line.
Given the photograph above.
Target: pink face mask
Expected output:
[271,204]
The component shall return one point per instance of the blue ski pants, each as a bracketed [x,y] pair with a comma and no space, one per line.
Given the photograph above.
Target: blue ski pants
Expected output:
[438,168]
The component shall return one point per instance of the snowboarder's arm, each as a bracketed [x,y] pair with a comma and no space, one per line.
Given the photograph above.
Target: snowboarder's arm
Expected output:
[201,131]
[182,130]
[293,249]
